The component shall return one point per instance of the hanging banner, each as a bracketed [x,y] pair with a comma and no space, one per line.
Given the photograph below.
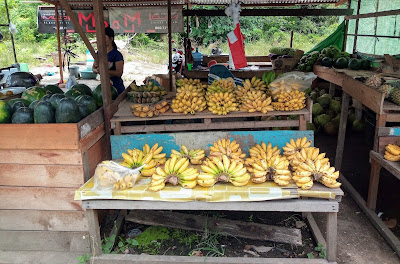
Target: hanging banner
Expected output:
[145,19]
[46,20]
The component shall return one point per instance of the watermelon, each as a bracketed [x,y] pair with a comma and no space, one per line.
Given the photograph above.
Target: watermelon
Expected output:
[17,103]
[46,98]
[67,111]
[88,101]
[23,115]
[55,99]
[5,112]
[34,93]
[73,93]
[83,110]
[365,64]
[327,62]
[98,96]
[44,113]
[83,88]
[340,63]
[354,64]
[53,89]
[33,104]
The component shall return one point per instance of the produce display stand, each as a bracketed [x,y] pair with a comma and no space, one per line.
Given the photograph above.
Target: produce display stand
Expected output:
[204,139]
[242,74]
[209,121]
[41,166]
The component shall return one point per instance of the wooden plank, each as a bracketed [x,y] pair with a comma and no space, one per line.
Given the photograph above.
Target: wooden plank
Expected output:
[386,233]
[342,131]
[97,153]
[392,166]
[212,126]
[319,238]
[371,98]
[373,184]
[329,75]
[388,131]
[203,140]
[375,14]
[224,58]
[43,240]
[331,236]
[384,141]
[218,225]
[380,122]
[389,106]
[92,138]
[392,117]
[309,205]
[203,74]
[90,122]
[43,220]
[41,156]
[39,136]
[39,198]
[154,259]
[42,256]
[41,175]
[94,232]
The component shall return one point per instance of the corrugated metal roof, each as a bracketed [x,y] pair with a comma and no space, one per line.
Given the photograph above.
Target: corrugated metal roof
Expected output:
[263,2]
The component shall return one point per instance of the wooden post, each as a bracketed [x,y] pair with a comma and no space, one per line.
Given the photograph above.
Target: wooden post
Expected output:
[356,29]
[103,66]
[380,122]
[60,60]
[94,232]
[373,184]
[12,38]
[342,131]
[170,44]
[331,236]
[346,28]
[291,39]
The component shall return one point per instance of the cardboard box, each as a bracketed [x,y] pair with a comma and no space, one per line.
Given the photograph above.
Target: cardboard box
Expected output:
[287,64]
[390,65]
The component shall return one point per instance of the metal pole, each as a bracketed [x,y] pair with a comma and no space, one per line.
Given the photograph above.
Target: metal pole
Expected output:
[60,60]
[170,44]
[12,38]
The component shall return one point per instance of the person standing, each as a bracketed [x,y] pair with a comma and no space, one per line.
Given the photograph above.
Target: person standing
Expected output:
[115,62]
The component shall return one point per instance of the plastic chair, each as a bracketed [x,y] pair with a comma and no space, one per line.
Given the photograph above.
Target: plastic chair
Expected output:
[219,71]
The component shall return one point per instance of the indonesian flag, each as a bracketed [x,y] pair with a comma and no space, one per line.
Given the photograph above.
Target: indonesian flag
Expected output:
[237,56]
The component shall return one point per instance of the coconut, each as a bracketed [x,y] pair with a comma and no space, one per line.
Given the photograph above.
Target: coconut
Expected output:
[331,129]
[335,106]
[313,96]
[322,119]
[324,100]
[350,118]
[359,125]
[322,92]
[330,113]
[311,126]
[317,109]
[336,120]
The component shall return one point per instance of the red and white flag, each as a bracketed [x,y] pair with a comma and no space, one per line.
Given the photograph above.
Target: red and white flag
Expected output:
[237,56]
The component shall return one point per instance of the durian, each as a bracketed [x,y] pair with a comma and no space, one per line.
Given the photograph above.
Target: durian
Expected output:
[386,89]
[374,81]
[395,96]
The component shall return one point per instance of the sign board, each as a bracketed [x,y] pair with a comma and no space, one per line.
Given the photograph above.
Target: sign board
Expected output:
[46,20]
[122,20]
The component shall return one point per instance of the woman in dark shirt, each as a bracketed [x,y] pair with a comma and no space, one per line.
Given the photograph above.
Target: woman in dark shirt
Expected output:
[115,61]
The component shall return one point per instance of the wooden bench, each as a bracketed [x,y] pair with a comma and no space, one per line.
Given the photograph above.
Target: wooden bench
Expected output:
[194,140]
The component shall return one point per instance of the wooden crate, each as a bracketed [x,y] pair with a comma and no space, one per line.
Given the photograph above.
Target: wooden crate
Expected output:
[41,166]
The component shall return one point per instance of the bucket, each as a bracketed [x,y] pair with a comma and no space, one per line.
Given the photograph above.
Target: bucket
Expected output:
[23,67]
[74,70]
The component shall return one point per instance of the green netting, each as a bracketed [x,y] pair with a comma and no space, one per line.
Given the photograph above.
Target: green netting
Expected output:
[383,26]
[336,38]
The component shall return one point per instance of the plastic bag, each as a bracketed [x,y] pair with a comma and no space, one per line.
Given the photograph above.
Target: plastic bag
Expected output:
[290,81]
[111,175]
[70,82]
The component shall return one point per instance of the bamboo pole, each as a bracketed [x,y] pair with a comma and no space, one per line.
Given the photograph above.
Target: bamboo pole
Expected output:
[170,44]
[12,38]
[60,60]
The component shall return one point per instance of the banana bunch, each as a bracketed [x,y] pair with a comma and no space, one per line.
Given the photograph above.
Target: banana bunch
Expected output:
[254,84]
[186,81]
[227,170]
[190,85]
[310,171]
[293,147]
[157,155]
[145,111]
[128,181]
[175,171]
[263,151]
[276,169]
[290,101]
[221,103]
[222,86]
[136,158]
[188,102]
[276,87]
[392,152]
[268,77]
[107,176]
[310,153]
[228,148]
[195,156]
[256,101]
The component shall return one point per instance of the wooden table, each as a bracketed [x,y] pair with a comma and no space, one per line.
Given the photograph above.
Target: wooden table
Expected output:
[305,206]
[242,74]
[208,120]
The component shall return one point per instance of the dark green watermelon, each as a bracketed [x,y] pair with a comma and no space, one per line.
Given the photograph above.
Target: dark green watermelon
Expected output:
[23,115]
[354,64]
[365,64]
[327,62]
[83,88]
[55,99]
[17,103]
[46,98]
[340,63]
[34,93]
[53,89]
[98,96]
[73,93]
[87,101]
[83,110]
[44,113]
[5,112]
[33,104]
[67,111]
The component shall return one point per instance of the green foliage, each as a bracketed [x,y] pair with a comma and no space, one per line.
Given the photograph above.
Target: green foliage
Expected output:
[210,245]
[321,250]
[83,259]
[125,244]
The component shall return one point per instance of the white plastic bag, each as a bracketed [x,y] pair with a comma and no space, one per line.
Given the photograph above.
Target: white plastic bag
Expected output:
[294,80]
[70,82]
[111,175]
